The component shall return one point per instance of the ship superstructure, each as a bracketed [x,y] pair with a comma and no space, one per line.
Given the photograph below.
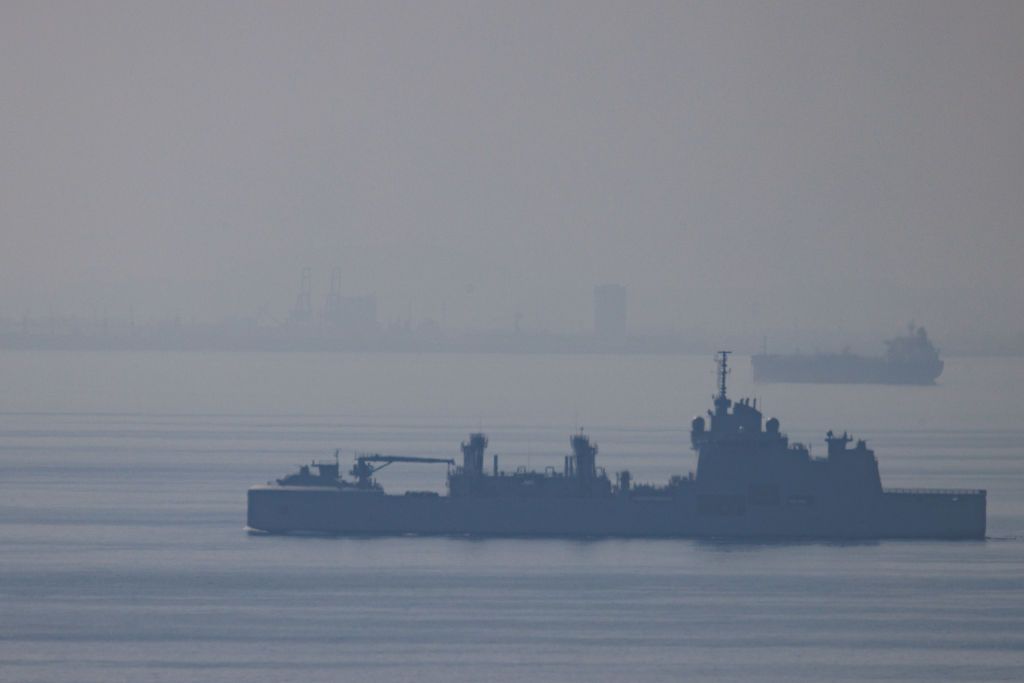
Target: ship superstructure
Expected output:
[750,482]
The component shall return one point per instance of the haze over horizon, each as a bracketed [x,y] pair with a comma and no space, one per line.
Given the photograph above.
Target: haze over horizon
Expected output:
[740,167]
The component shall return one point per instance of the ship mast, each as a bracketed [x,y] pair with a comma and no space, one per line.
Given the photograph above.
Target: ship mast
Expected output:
[723,371]
[721,402]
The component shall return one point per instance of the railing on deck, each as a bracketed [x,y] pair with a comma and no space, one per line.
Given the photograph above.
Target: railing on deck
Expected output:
[940,492]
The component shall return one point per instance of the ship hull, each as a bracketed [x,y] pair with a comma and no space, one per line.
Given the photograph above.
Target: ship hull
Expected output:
[842,369]
[902,514]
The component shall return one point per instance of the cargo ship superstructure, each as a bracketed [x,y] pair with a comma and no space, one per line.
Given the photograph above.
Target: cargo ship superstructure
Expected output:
[750,482]
[911,359]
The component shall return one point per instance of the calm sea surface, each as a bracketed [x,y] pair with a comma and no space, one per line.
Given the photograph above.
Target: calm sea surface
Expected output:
[123,555]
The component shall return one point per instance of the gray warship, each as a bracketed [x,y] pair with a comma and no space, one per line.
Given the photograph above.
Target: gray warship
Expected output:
[751,482]
[911,359]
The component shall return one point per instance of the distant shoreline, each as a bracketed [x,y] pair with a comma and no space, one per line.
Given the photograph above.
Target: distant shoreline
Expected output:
[567,346]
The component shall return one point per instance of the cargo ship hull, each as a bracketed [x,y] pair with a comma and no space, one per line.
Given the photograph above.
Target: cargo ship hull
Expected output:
[911,359]
[893,514]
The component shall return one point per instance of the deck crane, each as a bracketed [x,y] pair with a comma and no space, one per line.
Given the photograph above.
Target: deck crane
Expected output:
[364,468]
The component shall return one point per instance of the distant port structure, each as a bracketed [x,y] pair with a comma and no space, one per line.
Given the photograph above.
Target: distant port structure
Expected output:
[341,314]
[352,314]
[318,317]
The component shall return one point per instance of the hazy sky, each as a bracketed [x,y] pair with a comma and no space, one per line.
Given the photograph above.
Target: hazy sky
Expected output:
[738,166]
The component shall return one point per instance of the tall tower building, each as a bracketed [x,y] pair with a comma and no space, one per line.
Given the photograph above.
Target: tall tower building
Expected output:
[610,312]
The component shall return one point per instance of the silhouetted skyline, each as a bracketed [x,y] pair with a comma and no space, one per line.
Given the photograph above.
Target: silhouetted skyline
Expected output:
[748,168]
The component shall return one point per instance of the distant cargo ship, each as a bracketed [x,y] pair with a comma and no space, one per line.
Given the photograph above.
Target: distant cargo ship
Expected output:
[908,360]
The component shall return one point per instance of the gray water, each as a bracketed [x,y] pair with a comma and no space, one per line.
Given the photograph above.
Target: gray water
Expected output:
[123,555]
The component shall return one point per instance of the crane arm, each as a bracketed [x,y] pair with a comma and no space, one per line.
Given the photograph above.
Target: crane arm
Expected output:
[376,457]
[363,470]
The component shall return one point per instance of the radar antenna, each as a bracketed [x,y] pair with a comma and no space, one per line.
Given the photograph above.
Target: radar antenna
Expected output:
[723,372]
